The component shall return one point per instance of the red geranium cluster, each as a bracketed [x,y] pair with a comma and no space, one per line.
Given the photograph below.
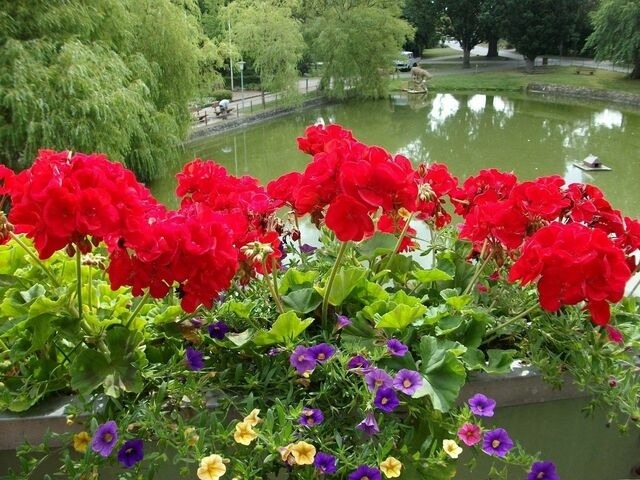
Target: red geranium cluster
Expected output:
[348,183]
[568,238]
[191,247]
[573,263]
[246,205]
[66,200]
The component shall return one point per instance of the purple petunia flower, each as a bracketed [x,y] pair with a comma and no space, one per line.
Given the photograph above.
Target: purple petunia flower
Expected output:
[396,348]
[194,359]
[342,321]
[311,416]
[322,352]
[218,330]
[386,399]
[543,471]
[482,405]
[365,472]
[357,362]
[131,453]
[105,438]
[325,463]
[302,360]
[369,425]
[377,378]
[307,249]
[407,381]
[496,442]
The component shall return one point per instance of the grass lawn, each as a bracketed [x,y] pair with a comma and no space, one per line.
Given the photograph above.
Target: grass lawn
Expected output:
[517,79]
[439,52]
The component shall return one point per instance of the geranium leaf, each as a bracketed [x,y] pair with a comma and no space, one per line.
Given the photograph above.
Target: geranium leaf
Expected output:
[499,361]
[88,371]
[285,329]
[240,339]
[379,244]
[343,284]
[294,279]
[302,301]
[443,373]
[433,275]
[401,316]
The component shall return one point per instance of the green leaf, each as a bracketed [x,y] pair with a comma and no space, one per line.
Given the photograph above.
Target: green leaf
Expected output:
[41,329]
[433,275]
[345,281]
[8,280]
[401,316]
[379,244]
[443,373]
[302,301]
[240,339]
[240,309]
[34,292]
[459,302]
[285,329]
[499,361]
[448,324]
[167,315]
[294,279]
[88,371]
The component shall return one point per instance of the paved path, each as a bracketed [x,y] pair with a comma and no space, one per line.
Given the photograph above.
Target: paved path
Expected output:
[247,102]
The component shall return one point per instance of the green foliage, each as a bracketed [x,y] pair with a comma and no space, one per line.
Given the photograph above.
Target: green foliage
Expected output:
[357,43]
[536,27]
[108,76]
[221,94]
[462,21]
[616,35]
[270,38]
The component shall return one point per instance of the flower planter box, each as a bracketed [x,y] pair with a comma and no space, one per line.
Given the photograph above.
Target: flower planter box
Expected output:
[542,418]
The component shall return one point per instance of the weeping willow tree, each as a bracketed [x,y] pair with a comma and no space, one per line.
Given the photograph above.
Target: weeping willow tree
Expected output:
[110,76]
[357,42]
[267,34]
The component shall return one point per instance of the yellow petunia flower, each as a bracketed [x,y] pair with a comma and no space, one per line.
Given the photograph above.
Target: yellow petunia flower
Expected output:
[391,467]
[285,454]
[244,433]
[191,437]
[81,441]
[211,468]
[303,453]
[451,448]
[253,419]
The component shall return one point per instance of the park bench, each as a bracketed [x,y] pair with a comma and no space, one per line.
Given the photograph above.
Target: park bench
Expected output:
[585,70]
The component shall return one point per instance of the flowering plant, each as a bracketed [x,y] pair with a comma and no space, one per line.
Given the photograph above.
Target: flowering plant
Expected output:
[213,333]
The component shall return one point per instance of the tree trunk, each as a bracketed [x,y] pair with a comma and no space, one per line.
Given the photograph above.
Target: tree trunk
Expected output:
[635,74]
[529,64]
[492,51]
[466,57]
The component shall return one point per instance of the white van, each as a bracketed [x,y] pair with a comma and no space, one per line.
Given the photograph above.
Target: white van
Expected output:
[405,61]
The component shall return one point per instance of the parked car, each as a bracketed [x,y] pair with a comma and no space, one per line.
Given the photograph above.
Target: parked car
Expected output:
[405,61]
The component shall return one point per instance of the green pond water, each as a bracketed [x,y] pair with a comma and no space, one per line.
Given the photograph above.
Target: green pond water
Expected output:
[529,135]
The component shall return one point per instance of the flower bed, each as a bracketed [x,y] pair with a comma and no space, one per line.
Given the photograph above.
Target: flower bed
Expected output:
[214,332]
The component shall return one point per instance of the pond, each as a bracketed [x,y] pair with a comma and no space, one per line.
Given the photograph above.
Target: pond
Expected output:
[530,135]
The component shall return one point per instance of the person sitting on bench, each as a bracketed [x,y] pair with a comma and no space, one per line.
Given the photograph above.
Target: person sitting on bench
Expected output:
[224,106]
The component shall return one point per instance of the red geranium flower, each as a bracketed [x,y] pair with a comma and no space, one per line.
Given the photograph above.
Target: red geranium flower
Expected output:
[349,219]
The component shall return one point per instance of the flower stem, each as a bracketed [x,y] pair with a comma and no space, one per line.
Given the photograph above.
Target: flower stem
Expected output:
[403,233]
[512,320]
[137,308]
[478,270]
[79,281]
[273,287]
[29,252]
[332,276]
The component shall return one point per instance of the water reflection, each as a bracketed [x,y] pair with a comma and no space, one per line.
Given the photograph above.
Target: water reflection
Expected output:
[608,118]
[444,105]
